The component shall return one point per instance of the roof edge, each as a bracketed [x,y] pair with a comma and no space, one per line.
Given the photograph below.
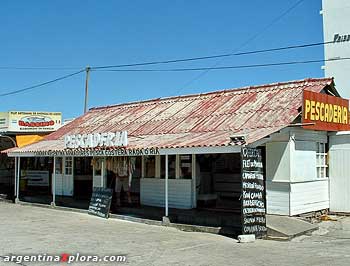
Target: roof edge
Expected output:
[330,80]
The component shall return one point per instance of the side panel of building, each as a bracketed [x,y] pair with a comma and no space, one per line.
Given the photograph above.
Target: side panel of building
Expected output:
[291,176]
[336,26]
[152,192]
[277,177]
[339,169]
[307,191]
[277,197]
[278,161]
[309,196]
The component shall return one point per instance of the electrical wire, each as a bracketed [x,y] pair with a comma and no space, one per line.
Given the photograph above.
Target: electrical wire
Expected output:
[252,38]
[214,56]
[38,68]
[225,67]
[40,84]
[275,49]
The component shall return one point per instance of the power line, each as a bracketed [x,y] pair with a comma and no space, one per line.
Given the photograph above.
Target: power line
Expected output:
[225,67]
[41,84]
[38,68]
[276,49]
[278,18]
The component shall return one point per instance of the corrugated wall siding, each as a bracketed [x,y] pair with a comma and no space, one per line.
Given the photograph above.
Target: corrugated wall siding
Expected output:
[277,197]
[152,193]
[309,196]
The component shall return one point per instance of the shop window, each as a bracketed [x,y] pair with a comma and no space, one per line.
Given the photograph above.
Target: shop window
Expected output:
[186,166]
[83,166]
[150,166]
[68,166]
[97,166]
[171,166]
[321,161]
[59,166]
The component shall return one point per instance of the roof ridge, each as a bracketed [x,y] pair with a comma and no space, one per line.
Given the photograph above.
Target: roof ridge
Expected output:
[255,87]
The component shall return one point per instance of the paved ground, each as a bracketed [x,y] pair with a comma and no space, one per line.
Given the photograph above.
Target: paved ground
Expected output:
[32,230]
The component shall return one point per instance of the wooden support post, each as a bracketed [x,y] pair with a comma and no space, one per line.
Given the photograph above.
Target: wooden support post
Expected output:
[53,203]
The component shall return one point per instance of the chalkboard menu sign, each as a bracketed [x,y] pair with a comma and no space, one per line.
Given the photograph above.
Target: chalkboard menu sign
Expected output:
[100,202]
[253,193]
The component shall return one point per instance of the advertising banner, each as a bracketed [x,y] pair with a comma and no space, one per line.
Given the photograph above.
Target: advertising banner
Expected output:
[33,121]
[325,112]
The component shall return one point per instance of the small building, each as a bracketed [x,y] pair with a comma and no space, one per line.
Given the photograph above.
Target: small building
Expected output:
[186,152]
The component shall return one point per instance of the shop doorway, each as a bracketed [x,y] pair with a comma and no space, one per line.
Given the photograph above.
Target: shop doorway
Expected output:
[35,179]
[218,182]
[7,171]
[83,177]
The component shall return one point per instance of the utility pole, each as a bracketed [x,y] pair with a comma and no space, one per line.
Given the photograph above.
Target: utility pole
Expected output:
[87,70]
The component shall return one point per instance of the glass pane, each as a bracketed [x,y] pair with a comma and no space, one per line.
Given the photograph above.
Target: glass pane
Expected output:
[150,166]
[58,166]
[322,172]
[186,166]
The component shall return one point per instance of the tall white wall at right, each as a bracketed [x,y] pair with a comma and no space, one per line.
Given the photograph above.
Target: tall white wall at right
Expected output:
[339,157]
[336,27]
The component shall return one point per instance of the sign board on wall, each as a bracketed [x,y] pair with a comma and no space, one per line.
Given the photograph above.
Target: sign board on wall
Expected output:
[36,178]
[100,202]
[16,121]
[109,139]
[253,194]
[325,112]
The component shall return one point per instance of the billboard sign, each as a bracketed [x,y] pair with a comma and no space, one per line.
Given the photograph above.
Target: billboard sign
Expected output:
[33,121]
[325,112]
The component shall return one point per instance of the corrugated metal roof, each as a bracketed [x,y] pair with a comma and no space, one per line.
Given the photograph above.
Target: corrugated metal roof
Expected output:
[195,120]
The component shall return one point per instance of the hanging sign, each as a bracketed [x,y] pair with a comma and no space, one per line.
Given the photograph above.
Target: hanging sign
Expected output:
[94,140]
[18,121]
[253,194]
[100,202]
[325,112]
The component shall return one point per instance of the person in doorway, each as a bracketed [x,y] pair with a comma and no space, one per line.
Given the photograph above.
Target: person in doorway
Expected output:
[122,182]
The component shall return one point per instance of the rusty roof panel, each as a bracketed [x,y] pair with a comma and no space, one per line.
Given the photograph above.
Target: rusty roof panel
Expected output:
[195,120]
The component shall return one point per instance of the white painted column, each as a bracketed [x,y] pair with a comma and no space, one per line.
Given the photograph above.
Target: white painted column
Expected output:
[53,203]
[18,178]
[166,186]
[194,181]
[15,185]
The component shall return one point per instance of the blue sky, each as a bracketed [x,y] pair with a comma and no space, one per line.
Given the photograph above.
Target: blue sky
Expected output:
[80,33]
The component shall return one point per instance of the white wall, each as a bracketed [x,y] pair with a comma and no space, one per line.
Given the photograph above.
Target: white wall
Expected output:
[303,161]
[336,15]
[309,196]
[292,186]
[340,172]
[277,197]
[278,161]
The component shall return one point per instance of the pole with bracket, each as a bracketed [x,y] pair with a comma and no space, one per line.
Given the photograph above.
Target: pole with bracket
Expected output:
[87,70]
[18,178]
